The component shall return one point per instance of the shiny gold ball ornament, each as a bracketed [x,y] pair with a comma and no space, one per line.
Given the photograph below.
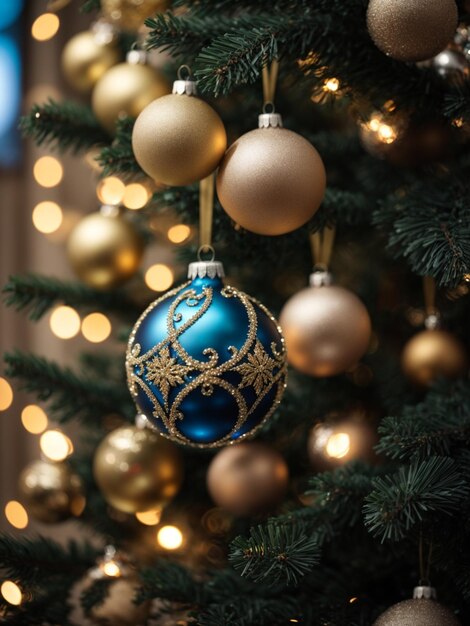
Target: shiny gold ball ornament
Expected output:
[129,15]
[422,610]
[104,249]
[126,89]
[179,139]
[137,470]
[86,57]
[271,180]
[412,30]
[326,328]
[247,478]
[118,607]
[432,354]
[51,492]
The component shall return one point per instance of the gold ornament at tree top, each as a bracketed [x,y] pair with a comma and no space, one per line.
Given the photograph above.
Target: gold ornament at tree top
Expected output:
[130,15]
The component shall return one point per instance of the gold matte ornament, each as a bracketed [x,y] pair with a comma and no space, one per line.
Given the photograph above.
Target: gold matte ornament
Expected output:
[137,470]
[125,90]
[417,612]
[104,251]
[51,492]
[179,139]
[412,30]
[432,354]
[327,330]
[130,15]
[271,181]
[118,608]
[85,60]
[247,478]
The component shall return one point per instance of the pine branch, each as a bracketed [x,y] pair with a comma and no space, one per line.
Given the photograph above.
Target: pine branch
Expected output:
[95,594]
[118,158]
[90,5]
[172,582]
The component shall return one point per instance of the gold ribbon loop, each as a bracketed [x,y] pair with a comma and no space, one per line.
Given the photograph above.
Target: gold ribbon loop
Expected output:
[206,210]
[269,82]
[321,243]
[429,291]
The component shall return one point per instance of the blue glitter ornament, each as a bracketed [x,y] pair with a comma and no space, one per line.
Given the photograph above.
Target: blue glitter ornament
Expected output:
[206,363]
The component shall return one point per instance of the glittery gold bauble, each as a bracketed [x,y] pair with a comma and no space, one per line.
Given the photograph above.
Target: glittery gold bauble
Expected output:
[125,90]
[118,608]
[51,492]
[104,251]
[137,469]
[417,612]
[432,354]
[85,60]
[247,478]
[178,139]
[327,330]
[412,30]
[130,14]
[271,181]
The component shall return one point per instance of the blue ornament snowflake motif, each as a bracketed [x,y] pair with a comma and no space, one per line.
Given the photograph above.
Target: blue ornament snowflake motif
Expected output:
[206,364]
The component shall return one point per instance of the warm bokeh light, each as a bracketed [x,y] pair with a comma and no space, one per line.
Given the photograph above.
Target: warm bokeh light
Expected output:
[6,394]
[170,537]
[135,196]
[159,277]
[331,85]
[179,233]
[45,26]
[48,171]
[64,322]
[96,327]
[55,445]
[386,133]
[149,518]
[34,419]
[11,592]
[16,514]
[47,217]
[338,445]
[110,190]
[112,569]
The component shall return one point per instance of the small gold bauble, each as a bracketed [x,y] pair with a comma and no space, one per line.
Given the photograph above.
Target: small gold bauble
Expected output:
[327,330]
[118,608]
[412,30]
[137,470]
[104,251]
[432,354]
[125,90]
[271,181]
[247,478]
[85,60]
[51,491]
[178,140]
[417,612]
[130,15]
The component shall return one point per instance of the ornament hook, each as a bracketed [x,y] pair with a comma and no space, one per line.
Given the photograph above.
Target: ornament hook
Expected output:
[269,75]
[184,73]
[207,249]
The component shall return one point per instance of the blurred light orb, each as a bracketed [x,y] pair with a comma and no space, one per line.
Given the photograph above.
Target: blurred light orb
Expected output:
[45,26]
[34,419]
[48,171]
[96,327]
[179,233]
[6,394]
[11,592]
[16,514]
[135,196]
[111,190]
[170,537]
[159,277]
[55,445]
[47,217]
[149,518]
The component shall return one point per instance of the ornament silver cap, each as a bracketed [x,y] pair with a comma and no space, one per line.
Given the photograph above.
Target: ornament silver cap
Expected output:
[424,593]
[432,321]
[270,120]
[205,269]
[142,422]
[320,278]
[137,57]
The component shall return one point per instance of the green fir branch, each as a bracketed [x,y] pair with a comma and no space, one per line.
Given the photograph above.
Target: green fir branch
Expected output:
[118,158]
[88,6]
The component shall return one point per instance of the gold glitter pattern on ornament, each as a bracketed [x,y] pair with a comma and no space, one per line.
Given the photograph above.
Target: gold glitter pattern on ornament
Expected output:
[258,370]
[165,372]
[418,612]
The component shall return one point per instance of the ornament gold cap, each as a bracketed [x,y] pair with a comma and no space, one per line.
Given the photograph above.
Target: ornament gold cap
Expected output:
[320,278]
[270,120]
[424,593]
[205,269]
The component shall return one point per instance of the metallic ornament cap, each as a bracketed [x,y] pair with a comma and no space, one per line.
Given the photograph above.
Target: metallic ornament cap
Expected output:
[320,278]
[137,57]
[426,593]
[110,210]
[203,269]
[432,321]
[270,120]
[185,88]
[103,32]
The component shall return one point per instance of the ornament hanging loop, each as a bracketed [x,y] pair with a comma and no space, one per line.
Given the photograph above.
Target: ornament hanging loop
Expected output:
[206,211]
[321,243]
[205,250]
[431,314]
[269,75]
[184,73]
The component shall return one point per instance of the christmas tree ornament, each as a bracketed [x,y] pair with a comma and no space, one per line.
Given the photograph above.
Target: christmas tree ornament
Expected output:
[129,15]
[104,249]
[326,327]
[137,470]
[261,191]
[88,55]
[205,362]
[433,353]
[451,64]
[52,492]
[179,139]
[411,30]
[422,610]
[247,479]
[126,89]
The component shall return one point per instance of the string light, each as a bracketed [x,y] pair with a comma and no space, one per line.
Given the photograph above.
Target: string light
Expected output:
[55,445]
[111,190]
[96,327]
[45,26]
[135,196]
[149,518]
[48,171]
[170,537]
[6,394]
[159,277]
[111,569]
[179,233]
[331,85]
[338,445]
[384,132]
[16,514]
[11,592]
[352,600]
[47,217]
[64,322]
[34,419]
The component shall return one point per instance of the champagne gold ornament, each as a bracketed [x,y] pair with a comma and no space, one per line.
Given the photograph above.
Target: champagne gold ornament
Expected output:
[422,610]
[411,30]
[104,250]
[51,491]
[85,58]
[125,90]
[179,139]
[130,15]
[137,469]
[118,608]
[247,478]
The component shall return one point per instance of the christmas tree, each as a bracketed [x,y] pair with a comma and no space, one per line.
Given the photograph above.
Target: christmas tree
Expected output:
[235,469]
